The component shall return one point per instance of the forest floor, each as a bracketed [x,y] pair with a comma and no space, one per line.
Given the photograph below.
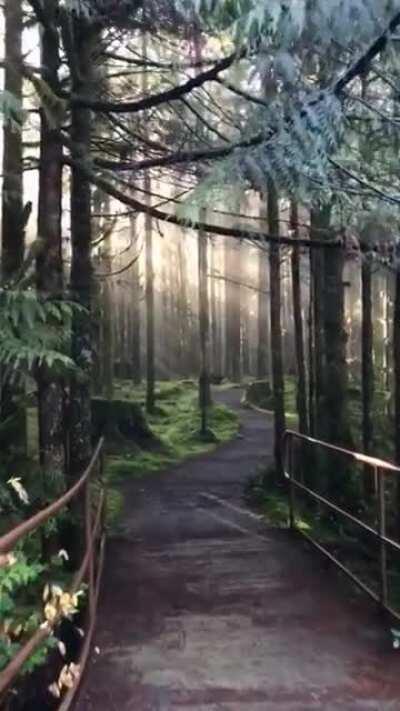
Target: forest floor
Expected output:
[205,607]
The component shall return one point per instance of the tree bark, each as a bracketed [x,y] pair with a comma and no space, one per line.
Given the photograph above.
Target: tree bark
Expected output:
[215,314]
[319,220]
[13,227]
[367,356]
[13,242]
[80,419]
[232,310]
[263,346]
[298,328]
[135,339]
[150,349]
[49,265]
[335,420]
[150,355]
[204,332]
[278,387]
[396,366]
[108,346]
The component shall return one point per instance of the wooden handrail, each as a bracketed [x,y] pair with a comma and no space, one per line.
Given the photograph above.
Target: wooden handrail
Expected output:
[378,532]
[9,541]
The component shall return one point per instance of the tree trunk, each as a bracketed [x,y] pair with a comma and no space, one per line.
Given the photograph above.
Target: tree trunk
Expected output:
[13,227]
[12,253]
[319,220]
[97,298]
[276,332]
[335,421]
[49,267]
[215,314]
[108,350]
[311,374]
[204,331]
[150,364]
[150,351]
[232,309]
[298,328]
[367,356]
[163,351]
[135,339]
[396,366]
[81,267]
[263,364]
[245,332]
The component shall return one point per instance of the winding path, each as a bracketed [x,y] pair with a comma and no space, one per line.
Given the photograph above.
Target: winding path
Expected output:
[205,609]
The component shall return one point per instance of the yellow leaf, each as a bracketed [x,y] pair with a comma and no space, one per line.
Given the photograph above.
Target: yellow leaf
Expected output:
[50,612]
[54,690]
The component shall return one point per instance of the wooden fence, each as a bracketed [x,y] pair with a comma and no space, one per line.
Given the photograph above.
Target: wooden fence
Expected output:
[90,570]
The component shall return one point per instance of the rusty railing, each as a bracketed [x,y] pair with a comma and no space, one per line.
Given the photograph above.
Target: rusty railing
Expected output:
[379,469]
[89,571]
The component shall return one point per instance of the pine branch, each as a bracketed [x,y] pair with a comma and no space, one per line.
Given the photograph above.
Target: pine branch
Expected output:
[363,63]
[163,97]
[234,232]
[357,69]
[180,157]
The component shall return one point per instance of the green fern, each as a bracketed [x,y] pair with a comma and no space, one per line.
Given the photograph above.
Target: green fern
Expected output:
[34,332]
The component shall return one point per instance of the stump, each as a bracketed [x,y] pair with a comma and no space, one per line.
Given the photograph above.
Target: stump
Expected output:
[259,393]
[122,423]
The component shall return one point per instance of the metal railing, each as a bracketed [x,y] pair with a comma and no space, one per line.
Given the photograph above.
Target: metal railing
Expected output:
[380,469]
[88,571]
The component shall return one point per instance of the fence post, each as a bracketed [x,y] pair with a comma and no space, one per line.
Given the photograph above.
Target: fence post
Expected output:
[381,506]
[291,486]
[89,544]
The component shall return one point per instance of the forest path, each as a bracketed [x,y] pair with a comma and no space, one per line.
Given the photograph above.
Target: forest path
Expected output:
[203,608]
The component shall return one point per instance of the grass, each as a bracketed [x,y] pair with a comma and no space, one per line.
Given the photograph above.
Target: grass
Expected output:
[272,501]
[177,425]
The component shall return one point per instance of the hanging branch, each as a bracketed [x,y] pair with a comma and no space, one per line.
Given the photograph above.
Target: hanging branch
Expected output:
[360,67]
[153,100]
[157,214]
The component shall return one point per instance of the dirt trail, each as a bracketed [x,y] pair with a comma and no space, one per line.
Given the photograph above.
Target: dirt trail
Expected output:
[205,609]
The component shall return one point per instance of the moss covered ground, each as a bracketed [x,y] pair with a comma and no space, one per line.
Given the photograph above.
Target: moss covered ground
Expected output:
[176,422]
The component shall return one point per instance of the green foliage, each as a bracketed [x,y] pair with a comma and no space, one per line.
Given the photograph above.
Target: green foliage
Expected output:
[291,21]
[271,500]
[17,619]
[11,109]
[33,332]
[301,136]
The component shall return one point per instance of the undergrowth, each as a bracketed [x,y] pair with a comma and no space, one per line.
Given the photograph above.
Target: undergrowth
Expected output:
[383,443]
[352,546]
